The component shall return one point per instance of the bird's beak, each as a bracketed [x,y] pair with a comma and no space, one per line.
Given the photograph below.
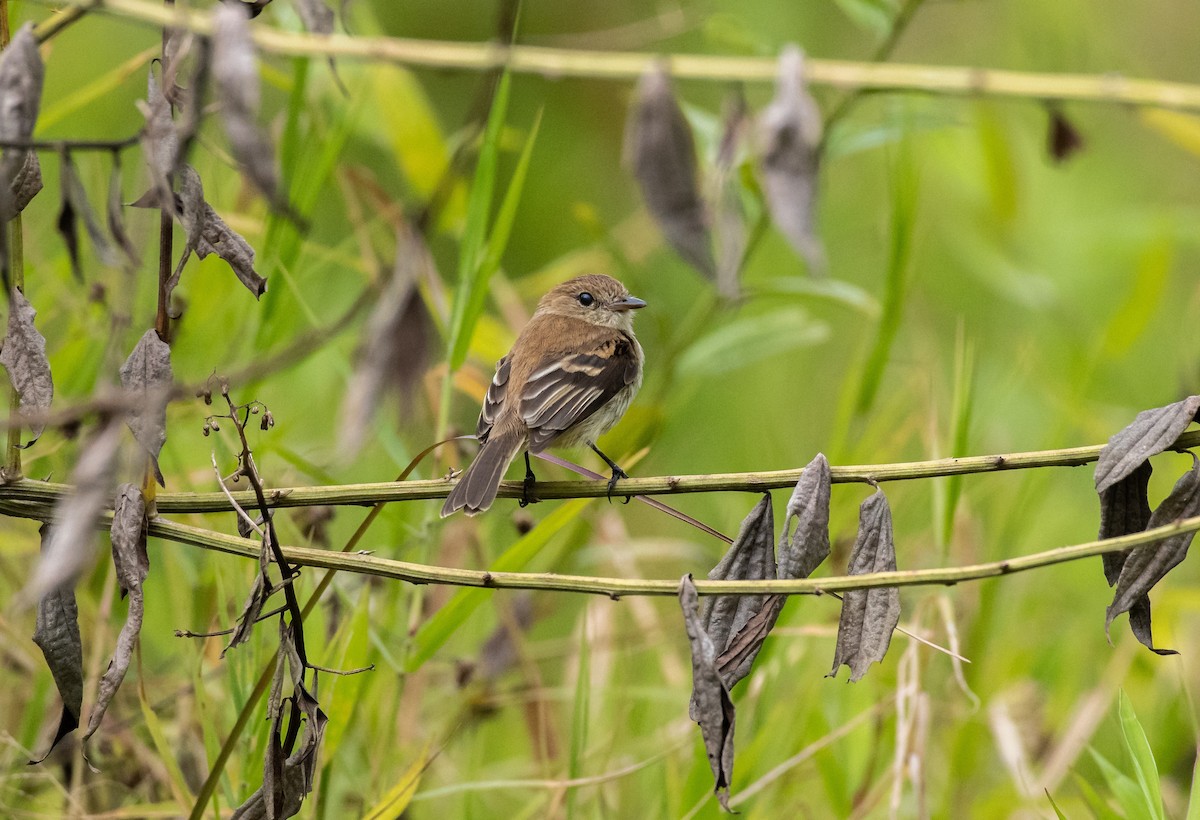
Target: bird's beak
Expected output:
[628,303]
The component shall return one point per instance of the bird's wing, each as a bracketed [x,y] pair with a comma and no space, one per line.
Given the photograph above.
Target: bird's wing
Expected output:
[493,400]
[565,389]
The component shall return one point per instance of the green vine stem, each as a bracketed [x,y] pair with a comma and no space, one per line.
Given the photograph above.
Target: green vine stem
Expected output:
[623,65]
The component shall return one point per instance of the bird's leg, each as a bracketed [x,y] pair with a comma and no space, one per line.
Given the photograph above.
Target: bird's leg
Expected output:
[617,472]
[527,496]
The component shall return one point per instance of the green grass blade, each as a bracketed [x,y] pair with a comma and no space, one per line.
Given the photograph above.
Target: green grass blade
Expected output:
[1124,788]
[1193,809]
[1141,755]
[458,609]
[471,274]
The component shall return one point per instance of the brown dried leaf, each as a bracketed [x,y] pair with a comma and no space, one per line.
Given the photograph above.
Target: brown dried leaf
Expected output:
[69,548]
[750,558]
[869,616]
[1063,139]
[24,357]
[57,635]
[803,550]
[146,377]
[659,145]
[711,706]
[395,346]
[1147,565]
[235,71]
[790,135]
[1150,433]
[128,534]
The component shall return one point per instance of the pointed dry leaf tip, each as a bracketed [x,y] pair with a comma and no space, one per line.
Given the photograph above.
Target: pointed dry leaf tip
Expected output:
[659,145]
[57,635]
[869,616]
[70,547]
[147,379]
[1147,565]
[24,357]
[235,71]
[1151,432]
[160,143]
[711,706]
[789,136]
[228,244]
[395,345]
[128,534]
[803,550]
[1063,139]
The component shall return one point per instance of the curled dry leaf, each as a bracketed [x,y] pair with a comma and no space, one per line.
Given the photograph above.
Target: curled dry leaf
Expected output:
[69,548]
[25,186]
[146,377]
[659,145]
[869,616]
[24,357]
[750,558]
[790,135]
[711,706]
[1150,433]
[128,534]
[395,345]
[1125,509]
[803,550]
[1147,565]
[235,71]
[21,74]
[57,635]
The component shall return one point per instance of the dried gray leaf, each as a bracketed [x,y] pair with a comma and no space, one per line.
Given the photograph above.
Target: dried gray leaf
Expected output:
[869,616]
[730,222]
[24,357]
[801,551]
[251,610]
[395,346]
[116,217]
[74,193]
[25,185]
[750,558]
[66,224]
[21,74]
[789,136]
[128,534]
[160,142]
[711,706]
[57,635]
[146,377]
[228,244]
[70,547]
[193,211]
[1124,509]
[1151,432]
[1147,565]
[235,71]
[659,145]
[316,16]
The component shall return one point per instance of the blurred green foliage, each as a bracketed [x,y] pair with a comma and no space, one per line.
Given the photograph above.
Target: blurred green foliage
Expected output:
[984,299]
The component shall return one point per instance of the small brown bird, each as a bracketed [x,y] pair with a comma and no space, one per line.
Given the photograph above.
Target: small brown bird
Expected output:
[569,377]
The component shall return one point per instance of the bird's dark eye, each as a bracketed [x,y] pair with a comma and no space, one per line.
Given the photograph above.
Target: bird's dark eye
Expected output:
[586,299]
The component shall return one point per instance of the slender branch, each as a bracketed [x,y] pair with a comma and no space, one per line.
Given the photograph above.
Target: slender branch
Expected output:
[624,65]
[383,492]
[363,564]
[59,146]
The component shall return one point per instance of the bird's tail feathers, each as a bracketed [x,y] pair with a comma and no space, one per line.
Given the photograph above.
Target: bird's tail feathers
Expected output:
[476,490]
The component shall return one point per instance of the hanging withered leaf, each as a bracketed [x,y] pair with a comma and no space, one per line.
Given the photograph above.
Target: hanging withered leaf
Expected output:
[24,357]
[1124,510]
[128,534]
[869,616]
[395,345]
[235,71]
[1147,565]
[1063,139]
[315,15]
[1151,432]
[160,142]
[57,635]
[660,148]
[147,379]
[790,138]
[711,706]
[25,186]
[21,74]
[803,550]
[750,558]
[730,223]
[69,548]
[116,217]
[75,206]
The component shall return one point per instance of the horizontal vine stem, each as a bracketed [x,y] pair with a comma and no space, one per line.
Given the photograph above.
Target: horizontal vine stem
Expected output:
[622,65]
[364,564]
[383,492]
